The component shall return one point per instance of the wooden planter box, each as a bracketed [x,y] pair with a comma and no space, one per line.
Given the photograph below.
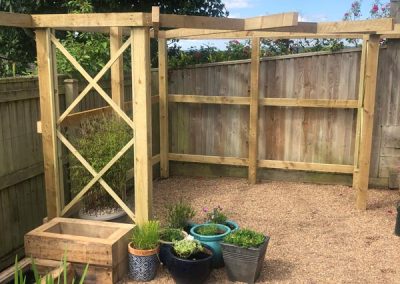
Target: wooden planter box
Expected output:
[43,266]
[102,245]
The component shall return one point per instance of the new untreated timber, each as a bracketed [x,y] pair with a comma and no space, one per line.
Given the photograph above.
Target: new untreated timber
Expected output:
[367,120]
[163,106]
[48,118]
[117,69]
[254,105]
[141,79]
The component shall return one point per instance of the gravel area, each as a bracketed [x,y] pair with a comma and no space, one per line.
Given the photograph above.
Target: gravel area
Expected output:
[317,235]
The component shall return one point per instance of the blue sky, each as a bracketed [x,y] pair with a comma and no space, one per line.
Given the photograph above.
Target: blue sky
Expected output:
[309,10]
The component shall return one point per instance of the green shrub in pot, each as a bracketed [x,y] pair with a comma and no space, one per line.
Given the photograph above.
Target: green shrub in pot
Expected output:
[244,252]
[179,215]
[98,140]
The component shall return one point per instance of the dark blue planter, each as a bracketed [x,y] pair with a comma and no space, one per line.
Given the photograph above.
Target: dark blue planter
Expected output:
[142,266]
[164,254]
[213,242]
[186,271]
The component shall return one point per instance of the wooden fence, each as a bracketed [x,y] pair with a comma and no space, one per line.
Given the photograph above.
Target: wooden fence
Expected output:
[285,133]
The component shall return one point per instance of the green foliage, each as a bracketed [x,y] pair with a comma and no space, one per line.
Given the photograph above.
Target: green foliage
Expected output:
[216,216]
[19,277]
[179,214]
[99,140]
[171,235]
[146,236]
[245,238]
[187,248]
[208,230]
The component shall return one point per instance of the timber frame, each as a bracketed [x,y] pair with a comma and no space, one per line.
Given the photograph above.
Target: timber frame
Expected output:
[139,28]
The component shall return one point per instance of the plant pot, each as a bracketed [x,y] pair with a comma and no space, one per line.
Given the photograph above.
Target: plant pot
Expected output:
[213,242]
[143,264]
[244,264]
[191,271]
[164,247]
[397,228]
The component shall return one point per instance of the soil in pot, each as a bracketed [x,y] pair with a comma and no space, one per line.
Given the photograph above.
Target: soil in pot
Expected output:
[195,270]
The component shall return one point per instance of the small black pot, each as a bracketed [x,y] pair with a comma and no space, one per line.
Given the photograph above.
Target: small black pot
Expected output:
[397,228]
[164,253]
[244,264]
[190,271]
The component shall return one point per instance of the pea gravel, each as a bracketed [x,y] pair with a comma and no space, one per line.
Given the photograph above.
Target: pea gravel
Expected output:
[317,235]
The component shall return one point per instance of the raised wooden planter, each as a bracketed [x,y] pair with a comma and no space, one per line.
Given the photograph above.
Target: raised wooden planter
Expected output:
[102,245]
[43,266]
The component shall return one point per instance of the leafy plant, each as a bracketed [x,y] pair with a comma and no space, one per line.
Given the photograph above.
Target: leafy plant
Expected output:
[215,216]
[98,140]
[187,248]
[208,230]
[179,214]
[245,238]
[146,236]
[20,278]
[171,235]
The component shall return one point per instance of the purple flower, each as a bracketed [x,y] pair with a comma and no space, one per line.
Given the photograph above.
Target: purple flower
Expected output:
[205,209]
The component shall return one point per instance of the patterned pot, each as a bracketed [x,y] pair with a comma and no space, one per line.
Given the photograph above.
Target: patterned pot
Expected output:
[143,264]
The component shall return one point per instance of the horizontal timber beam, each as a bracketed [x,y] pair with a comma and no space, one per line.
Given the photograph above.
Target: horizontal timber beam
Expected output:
[279,102]
[315,103]
[209,99]
[208,159]
[16,20]
[302,166]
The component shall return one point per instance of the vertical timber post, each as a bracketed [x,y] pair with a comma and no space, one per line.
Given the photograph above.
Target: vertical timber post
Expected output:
[163,104]
[48,112]
[117,69]
[254,104]
[367,120]
[141,97]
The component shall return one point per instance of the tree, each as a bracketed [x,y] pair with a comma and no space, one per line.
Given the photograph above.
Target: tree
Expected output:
[18,52]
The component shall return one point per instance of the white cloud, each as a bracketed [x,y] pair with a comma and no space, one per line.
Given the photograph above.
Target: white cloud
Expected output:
[234,15]
[236,4]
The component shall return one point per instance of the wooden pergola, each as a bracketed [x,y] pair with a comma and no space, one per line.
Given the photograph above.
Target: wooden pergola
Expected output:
[139,28]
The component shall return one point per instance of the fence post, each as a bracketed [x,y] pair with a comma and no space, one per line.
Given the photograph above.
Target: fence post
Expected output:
[117,69]
[71,92]
[367,119]
[254,104]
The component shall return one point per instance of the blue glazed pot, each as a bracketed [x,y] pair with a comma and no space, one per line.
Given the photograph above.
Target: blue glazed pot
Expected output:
[232,225]
[143,264]
[213,242]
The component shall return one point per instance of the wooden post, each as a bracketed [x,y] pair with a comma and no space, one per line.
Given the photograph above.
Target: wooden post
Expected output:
[117,69]
[71,92]
[48,112]
[367,120]
[163,104]
[361,87]
[141,97]
[254,104]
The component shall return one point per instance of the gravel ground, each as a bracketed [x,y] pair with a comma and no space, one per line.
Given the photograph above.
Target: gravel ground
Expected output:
[317,236]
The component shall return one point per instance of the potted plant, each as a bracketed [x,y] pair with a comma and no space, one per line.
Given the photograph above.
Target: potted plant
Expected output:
[189,262]
[143,250]
[216,216]
[167,237]
[179,216]
[98,140]
[244,253]
[211,235]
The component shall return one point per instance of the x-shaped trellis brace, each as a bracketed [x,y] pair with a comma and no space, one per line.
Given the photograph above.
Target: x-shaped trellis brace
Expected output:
[97,176]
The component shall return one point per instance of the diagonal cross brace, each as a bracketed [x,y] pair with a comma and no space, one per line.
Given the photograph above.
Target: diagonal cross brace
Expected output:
[97,176]
[93,81]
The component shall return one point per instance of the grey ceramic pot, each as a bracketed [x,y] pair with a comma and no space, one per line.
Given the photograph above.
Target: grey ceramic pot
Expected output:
[244,264]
